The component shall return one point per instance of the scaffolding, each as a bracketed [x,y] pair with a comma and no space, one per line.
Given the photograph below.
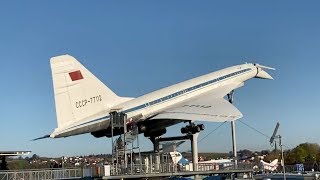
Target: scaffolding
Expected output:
[124,160]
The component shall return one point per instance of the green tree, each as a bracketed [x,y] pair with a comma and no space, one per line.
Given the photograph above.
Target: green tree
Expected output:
[272,156]
[34,157]
[307,153]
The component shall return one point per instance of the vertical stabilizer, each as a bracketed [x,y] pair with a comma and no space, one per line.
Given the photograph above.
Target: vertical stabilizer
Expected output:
[79,95]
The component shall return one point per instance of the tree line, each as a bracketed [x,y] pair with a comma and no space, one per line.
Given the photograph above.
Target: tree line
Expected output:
[305,153]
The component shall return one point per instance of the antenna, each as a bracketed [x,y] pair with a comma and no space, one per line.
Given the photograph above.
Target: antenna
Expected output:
[273,137]
[274,133]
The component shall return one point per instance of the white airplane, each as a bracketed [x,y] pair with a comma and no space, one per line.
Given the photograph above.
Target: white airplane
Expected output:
[217,161]
[272,166]
[223,162]
[176,157]
[83,102]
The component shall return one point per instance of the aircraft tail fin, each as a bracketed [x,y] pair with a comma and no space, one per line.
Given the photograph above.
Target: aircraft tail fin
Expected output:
[78,93]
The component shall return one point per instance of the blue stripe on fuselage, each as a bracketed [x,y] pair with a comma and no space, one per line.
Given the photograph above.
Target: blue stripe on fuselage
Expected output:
[213,81]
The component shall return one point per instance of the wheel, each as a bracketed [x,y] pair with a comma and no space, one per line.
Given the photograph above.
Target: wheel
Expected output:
[184,130]
[201,126]
[195,129]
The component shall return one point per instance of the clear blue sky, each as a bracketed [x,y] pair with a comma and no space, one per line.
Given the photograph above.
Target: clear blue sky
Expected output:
[139,46]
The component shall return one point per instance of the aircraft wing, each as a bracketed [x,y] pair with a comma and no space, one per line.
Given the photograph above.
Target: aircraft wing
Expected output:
[210,106]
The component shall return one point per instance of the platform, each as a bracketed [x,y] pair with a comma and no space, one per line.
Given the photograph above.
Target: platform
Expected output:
[249,173]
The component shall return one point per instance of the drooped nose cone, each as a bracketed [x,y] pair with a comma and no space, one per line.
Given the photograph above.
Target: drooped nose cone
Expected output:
[263,74]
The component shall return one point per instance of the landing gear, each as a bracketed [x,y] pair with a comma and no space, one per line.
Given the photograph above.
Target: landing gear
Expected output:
[191,132]
[230,96]
[155,143]
[192,128]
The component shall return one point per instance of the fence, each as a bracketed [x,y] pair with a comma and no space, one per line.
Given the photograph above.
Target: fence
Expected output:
[131,169]
[136,169]
[41,174]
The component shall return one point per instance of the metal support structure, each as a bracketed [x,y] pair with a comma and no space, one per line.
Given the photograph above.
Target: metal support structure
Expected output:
[157,163]
[165,169]
[169,175]
[273,137]
[140,160]
[194,149]
[119,154]
[151,162]
[234,144]
[193,137]
[233,132]
[124,118]
[282,158]
[155,141]
[3,164]
[128,134]
[175,138]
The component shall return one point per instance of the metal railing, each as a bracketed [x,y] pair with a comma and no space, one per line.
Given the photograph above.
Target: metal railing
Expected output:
[41,174]
[100,171]
[154,170]
[169,168]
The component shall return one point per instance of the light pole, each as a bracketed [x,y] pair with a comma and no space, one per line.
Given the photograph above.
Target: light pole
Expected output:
[273,137]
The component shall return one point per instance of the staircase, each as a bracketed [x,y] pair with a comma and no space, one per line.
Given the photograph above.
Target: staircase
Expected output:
[122,153]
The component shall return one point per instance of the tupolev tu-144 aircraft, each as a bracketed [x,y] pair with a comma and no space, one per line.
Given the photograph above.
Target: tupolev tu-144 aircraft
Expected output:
[83,102]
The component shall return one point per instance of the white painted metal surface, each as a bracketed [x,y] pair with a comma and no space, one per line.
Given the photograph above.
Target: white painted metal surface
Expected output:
[83,102]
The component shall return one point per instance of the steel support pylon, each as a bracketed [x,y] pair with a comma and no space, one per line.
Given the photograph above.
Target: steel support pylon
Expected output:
[233,132]
[234,144]
[194,149]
